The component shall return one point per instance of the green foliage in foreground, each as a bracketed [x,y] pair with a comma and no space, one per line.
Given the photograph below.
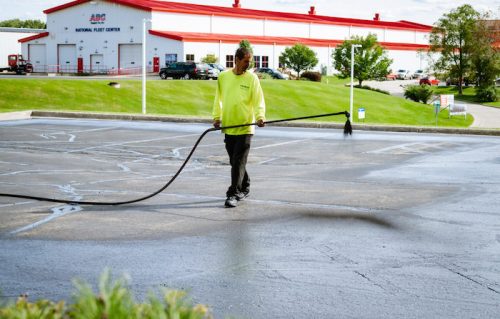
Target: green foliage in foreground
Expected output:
[114,301]
[284,99]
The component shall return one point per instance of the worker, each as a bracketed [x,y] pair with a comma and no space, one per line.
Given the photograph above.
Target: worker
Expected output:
[238,100]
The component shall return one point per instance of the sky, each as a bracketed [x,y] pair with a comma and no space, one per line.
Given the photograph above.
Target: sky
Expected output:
[420,11]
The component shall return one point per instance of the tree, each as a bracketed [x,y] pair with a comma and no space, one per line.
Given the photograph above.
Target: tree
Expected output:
[485,62]
[30,24]
[248,45]
[209,58]
[370,61]
[453,37]
[298,58]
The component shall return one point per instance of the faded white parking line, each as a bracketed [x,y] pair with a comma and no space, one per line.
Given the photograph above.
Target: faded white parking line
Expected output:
[278,144]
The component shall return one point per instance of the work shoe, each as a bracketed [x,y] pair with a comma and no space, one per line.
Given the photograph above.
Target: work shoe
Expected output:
[242,195]
[231,201]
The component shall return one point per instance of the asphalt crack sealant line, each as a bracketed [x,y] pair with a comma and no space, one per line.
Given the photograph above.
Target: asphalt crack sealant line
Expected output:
[56,211]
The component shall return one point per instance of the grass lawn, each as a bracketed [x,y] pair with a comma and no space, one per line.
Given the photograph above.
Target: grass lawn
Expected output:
[284,99]
[467,94]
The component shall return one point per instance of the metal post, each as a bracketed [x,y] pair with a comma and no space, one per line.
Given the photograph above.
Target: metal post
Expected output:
[144,21]
[352,80]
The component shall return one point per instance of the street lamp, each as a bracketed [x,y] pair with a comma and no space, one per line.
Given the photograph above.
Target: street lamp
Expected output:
[144,21]
[352,77]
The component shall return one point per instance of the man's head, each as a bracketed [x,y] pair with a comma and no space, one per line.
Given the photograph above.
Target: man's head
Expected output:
[242,61]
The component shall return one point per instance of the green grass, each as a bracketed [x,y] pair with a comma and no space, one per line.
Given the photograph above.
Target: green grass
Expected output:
[284,99]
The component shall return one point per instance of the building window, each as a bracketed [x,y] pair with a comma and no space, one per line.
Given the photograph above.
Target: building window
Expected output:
[265,61]
[170,58]
[229,61]
[256,61]
[189,57]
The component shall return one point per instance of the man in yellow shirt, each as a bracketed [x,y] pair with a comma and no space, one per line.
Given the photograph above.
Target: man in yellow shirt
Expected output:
[238,100]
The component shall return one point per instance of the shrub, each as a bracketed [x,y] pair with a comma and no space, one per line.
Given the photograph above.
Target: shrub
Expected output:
[264,76]
[114,300]
[486,94]
[418,93]
[312,76]
[366,87]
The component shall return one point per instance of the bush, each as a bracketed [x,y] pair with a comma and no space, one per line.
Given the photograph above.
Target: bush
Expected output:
[114,300]
[312,76]
[486,94]
[418,93]
[366,87]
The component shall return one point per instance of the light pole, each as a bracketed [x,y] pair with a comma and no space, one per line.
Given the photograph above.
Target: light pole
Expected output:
[144,21]
[352,78]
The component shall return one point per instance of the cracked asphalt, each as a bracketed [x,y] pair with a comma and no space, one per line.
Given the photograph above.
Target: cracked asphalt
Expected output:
[377,225]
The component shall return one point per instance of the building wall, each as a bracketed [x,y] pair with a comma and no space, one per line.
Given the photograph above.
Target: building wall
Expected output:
[121,25]
[9,42]
[101,31]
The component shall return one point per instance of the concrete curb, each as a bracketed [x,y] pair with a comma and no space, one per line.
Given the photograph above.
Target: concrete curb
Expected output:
[162,118]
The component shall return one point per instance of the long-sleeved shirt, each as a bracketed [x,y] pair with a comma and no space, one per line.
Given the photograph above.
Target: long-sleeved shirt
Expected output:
[238,100]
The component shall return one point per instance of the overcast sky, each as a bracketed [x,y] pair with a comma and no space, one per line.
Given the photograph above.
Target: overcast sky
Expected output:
[421,11]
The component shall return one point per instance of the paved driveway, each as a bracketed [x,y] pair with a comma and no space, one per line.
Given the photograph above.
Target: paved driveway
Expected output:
[380,225]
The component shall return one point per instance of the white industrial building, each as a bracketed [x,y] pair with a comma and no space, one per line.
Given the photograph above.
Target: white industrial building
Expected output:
[107,35]
[9,41]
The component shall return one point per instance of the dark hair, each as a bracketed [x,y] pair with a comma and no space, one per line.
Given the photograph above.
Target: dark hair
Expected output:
[242,52]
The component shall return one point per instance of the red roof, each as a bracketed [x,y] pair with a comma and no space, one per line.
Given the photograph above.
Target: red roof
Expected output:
[232,38]
[178,7]
[33,37]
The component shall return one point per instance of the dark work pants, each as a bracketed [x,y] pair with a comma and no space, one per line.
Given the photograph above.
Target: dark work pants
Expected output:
[238,147]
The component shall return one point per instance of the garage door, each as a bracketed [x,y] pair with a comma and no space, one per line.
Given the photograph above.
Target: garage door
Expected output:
[96,63]
[67,58]
[130,58]
[37,54]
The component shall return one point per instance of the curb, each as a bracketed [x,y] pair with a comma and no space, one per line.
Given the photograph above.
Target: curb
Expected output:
[164,118]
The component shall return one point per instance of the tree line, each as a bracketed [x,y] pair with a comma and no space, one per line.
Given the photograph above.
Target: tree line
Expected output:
[26,24]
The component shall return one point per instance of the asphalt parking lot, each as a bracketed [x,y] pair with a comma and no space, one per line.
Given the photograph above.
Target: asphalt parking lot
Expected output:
[377,225]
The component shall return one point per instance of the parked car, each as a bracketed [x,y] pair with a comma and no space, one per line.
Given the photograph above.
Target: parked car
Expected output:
[213,73]
[429,80]
[390,76]
[217,66]
[454,81]
[275,74]
[418,74]
[403,74]
[185,70]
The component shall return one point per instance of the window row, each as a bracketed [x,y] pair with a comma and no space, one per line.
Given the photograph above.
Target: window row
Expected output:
[259,61]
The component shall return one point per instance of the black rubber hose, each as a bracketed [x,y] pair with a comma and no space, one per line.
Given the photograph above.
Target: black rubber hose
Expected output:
[347,130]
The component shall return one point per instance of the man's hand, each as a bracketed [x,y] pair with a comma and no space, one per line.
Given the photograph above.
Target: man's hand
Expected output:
[216,123]
[261,123]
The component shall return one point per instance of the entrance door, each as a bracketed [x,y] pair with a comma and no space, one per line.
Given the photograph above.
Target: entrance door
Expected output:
[96,63]
[66,54]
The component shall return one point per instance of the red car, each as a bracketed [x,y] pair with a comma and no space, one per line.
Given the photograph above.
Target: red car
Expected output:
[429,80]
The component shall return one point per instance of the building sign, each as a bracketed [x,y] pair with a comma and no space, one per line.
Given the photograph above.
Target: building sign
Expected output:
[97,29]
[97,18]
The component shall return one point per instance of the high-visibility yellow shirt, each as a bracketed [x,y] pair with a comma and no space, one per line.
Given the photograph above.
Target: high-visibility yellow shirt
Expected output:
[238,100]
